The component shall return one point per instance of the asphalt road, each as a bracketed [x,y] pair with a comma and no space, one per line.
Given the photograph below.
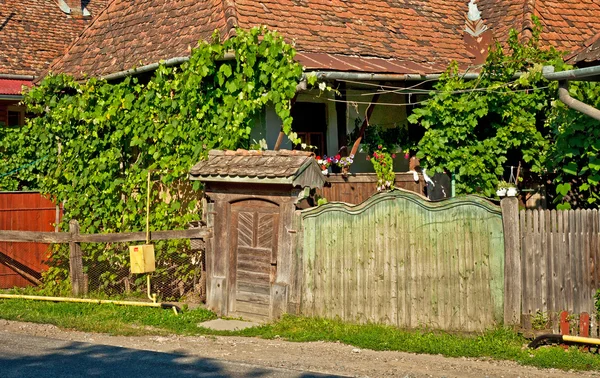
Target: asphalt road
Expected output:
[24,356]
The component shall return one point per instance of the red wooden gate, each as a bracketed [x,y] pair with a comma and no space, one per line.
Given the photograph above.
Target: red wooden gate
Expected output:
[21,264]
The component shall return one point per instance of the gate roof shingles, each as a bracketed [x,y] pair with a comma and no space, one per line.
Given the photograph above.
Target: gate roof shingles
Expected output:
[283,166]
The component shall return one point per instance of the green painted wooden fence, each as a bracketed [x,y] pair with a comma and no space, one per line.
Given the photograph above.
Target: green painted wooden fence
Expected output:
[401,260]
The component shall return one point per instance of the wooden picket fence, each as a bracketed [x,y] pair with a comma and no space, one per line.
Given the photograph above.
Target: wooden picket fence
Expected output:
[559,261]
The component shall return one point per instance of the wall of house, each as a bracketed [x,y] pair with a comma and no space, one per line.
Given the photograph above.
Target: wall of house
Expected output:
[383,115]
[268,124]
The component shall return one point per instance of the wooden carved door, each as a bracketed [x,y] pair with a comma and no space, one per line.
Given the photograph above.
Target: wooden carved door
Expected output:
[253,261]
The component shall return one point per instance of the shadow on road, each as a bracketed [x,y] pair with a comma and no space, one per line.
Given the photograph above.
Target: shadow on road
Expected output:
[75,359]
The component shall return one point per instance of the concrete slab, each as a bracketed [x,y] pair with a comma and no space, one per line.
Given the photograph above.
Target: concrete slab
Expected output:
[227,325]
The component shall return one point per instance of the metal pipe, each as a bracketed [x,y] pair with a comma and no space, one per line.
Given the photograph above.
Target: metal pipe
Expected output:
[366,76]
[94,301]
[154,66]
[576,74]
[11,97]
[17,77]
[565,97]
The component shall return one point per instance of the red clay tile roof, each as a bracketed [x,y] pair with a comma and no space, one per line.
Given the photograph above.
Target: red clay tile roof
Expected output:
[13,87]
[426,33]
[35,32]
[588,55]
[566,24]
[128,35]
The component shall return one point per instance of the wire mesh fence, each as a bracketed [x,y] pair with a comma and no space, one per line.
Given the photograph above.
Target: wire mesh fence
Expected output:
[179,275]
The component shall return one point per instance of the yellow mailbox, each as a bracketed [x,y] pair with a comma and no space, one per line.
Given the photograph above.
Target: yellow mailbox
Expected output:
[142,258]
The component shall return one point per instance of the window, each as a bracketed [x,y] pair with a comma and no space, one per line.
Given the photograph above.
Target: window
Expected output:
[310,123]
[15,116]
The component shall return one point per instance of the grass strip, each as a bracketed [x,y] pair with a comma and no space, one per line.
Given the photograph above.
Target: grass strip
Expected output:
[498,344]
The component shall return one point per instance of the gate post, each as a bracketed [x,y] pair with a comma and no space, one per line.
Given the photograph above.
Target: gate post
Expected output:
[75,261]
[512,261]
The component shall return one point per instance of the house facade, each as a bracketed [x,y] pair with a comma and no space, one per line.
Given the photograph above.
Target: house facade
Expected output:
[358,48]
[33,34]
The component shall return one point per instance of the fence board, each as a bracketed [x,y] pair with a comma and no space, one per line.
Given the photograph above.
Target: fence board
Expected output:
[414,262]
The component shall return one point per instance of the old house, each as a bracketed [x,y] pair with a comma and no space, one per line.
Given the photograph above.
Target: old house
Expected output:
[32,35]
[356,46]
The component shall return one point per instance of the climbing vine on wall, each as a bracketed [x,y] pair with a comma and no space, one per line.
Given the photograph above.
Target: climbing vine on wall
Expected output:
[94,142]
[475,128]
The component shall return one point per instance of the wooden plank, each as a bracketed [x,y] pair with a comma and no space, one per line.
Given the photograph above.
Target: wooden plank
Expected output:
[247,296]
[21,269]
[252,308]
[76,262]
[573,260]
[193,233]
[561,266]
[252,277]
[253,266]
[256,288]
[538,264]
[569,227]
[586,286]
[543,258]
[550,229]
[595,253]
[261,256]
[33,236]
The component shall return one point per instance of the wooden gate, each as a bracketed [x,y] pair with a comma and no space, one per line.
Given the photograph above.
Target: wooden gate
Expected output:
[21,264]
[401,260]
[253,257]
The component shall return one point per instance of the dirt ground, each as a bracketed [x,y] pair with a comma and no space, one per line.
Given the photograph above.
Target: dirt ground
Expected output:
[331,358]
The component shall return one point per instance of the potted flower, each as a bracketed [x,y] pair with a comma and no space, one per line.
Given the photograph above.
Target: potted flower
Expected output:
[502,188]
[345,163]
[506,189]
[511,191]
[326,161]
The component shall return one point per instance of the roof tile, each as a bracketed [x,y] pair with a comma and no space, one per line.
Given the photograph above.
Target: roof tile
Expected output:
[35,32]
[328,34]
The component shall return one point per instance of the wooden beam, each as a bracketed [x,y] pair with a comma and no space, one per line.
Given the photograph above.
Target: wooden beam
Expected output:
[64,237]
[35,237]
[364,125]
[21,269]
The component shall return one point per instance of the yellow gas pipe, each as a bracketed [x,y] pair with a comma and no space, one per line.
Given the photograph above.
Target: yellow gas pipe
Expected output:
[86,300]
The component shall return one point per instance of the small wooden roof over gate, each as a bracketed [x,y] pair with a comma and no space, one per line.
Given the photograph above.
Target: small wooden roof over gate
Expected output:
[296,168]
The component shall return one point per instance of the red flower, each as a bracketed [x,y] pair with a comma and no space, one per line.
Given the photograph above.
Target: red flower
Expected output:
[393,156]
[380,146]
[338,157]
[406,155]
[318,158]
[368,157]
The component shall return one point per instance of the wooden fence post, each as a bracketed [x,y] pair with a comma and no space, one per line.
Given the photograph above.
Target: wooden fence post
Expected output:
[75,261]
[512,261]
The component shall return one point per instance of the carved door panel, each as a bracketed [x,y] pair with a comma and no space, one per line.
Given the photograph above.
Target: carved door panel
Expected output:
[253,258]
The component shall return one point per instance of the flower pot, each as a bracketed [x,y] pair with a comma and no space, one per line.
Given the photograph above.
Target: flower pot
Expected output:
[511,192]
[501,192]
[345,171]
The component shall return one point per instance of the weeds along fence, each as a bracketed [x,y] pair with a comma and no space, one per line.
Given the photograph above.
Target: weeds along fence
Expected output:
[176,276]
[401,260]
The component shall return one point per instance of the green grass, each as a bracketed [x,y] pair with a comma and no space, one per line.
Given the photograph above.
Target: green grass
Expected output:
[499,344]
